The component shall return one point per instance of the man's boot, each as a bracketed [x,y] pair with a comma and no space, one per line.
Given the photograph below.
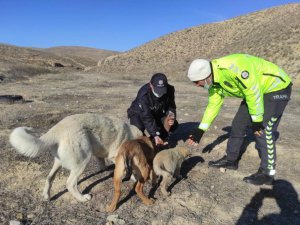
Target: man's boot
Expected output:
[259,178]
[225,163]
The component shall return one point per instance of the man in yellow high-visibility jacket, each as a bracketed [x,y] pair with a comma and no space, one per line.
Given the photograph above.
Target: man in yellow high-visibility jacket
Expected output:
[265,89]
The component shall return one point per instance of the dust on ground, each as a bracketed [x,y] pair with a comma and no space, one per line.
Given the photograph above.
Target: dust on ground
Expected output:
[205,196]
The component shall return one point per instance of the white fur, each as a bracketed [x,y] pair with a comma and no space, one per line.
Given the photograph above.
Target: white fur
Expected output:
[72,142]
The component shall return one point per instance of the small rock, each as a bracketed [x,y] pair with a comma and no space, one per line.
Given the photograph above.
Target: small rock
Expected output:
[115,219]
[223,170]
[30,216]
[20,216]
[14,222]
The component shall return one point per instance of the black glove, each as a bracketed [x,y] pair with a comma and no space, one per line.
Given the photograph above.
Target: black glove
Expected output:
[196,135]
[257,126]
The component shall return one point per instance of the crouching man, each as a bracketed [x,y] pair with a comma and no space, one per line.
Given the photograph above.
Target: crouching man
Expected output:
[154,109]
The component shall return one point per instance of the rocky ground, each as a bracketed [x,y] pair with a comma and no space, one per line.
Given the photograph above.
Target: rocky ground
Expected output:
[206,196]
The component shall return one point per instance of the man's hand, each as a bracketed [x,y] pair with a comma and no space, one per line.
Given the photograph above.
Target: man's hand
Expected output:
[171,118]
[159,141]
[195,137]
[258,128]
[171,122]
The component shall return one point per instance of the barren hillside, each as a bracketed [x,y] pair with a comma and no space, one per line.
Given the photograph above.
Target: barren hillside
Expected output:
[16,54]
[89,55]
[273,34]
[22,62]
[18,62]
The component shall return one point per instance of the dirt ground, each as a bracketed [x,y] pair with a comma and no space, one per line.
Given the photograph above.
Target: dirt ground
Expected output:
[206,196]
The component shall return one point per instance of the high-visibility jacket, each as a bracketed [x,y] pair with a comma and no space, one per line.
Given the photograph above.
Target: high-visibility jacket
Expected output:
[243,76]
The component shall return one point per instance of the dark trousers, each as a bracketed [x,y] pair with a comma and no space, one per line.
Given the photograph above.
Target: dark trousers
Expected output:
[137,121]
[274,105]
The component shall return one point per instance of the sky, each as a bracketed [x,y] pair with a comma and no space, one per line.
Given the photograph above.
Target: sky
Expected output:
[117,25]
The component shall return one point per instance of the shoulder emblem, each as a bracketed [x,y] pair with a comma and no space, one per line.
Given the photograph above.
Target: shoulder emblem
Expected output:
[245,74]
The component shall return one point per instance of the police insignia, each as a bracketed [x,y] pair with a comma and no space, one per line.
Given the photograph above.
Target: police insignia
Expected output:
[245,74]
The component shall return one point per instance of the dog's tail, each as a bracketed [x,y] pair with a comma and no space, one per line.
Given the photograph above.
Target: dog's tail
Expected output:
[128,165]
[26,143]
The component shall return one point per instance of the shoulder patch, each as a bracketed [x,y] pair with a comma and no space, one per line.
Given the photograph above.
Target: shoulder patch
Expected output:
[245,74]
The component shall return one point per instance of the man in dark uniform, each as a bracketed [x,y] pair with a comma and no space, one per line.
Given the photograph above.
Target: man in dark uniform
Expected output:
[154,109]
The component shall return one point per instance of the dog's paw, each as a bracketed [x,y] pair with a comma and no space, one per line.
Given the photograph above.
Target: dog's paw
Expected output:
[85,198]
[110,208]
[166,193]
[46,197]
[149,201]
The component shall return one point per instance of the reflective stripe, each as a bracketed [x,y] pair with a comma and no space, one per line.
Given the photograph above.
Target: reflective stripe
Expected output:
[269,137]
[273,119]
[270,167]
[270,146]
[272,171]
[204,126]
[274,85]
[268,132]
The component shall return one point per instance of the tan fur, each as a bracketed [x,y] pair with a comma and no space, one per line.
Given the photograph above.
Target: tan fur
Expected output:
[72,142]
[167,164]
[141,153]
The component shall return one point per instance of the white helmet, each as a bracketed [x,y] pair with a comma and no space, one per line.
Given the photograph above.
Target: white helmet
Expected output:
[199,70]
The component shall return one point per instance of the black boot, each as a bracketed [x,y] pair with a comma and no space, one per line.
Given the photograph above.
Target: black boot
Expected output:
[259,178]
[225,163]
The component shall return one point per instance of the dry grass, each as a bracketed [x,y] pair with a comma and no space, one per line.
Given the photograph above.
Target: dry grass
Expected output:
[205,197]
[89,56]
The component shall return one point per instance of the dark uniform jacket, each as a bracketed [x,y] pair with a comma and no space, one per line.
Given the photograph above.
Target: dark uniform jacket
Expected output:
[151,109]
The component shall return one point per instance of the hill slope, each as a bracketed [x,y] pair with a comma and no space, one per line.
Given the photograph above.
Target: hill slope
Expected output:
[19,62]
[273,34]
[90,56]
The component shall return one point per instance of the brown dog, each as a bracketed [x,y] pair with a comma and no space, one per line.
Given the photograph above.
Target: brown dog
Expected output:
[167,164]
[136,155]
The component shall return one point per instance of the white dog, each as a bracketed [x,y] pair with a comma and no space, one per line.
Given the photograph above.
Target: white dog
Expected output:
[72,142]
